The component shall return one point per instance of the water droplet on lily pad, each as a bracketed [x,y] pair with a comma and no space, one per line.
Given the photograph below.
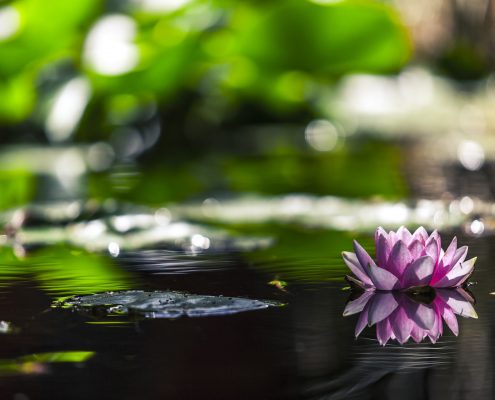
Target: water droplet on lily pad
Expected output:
[162,304]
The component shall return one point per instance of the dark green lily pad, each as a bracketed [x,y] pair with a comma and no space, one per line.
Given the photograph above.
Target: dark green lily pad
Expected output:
[162,304]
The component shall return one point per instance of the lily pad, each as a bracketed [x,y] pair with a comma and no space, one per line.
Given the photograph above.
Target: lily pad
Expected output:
[160,304]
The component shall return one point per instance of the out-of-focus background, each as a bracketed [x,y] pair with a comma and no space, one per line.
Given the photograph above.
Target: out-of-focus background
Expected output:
[152,101]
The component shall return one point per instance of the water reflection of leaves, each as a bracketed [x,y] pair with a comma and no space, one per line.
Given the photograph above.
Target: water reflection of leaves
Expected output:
[34,364]
[402,316]
[62,270]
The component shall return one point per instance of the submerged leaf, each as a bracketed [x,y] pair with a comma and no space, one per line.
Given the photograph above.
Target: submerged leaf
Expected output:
[162,304]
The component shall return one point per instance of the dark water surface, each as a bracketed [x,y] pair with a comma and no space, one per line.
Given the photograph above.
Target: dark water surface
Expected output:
[305,349]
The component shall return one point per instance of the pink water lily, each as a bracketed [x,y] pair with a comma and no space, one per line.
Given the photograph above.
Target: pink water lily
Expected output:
[405,260]
[398,316]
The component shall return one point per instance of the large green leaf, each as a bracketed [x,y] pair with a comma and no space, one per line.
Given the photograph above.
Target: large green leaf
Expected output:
[49,29]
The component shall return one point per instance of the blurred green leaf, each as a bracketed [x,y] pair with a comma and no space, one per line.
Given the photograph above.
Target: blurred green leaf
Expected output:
[18,97]
[364,170]
[331,39]
[18,188]
[155,187]
[49,30]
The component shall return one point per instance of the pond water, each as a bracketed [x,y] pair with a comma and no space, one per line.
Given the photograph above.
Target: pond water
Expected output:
[305,349]
[282,250]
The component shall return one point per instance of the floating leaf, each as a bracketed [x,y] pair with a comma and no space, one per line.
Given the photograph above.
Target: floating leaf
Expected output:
[162,304]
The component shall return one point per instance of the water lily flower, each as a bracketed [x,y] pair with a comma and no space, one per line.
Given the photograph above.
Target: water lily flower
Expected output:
[405,260]
[398,315]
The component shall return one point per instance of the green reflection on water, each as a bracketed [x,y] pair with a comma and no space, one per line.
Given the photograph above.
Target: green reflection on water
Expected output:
[302,255]
[358,169]
[61,270]
[58,357]
[36,363]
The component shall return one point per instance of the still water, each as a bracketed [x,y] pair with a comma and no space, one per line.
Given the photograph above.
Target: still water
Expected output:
[303,349]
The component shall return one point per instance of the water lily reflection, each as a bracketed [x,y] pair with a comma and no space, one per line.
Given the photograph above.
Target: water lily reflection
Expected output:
[404,315]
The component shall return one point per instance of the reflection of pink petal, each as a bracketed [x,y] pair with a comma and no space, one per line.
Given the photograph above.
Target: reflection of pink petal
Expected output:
[381,306]
[417,333]
[457,302]
[358,304]
[398,317]
[423,315]
[401,324]
[451,320]
[383,331]
[362,321]
[437,329]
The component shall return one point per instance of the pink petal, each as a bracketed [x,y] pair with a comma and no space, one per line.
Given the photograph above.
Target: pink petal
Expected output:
[436,237]
[416,249]
[381,306]
[418,273]
[380,232]
[441,271]
[382,251]
[459,256]
[357,305]
[432,246]
[381,278]
[467,264]
[392,238]
[420,234]
[358,283]
[404,235]
[362,255]
[399,259]
[450,252]
[457,275]
[352,262]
